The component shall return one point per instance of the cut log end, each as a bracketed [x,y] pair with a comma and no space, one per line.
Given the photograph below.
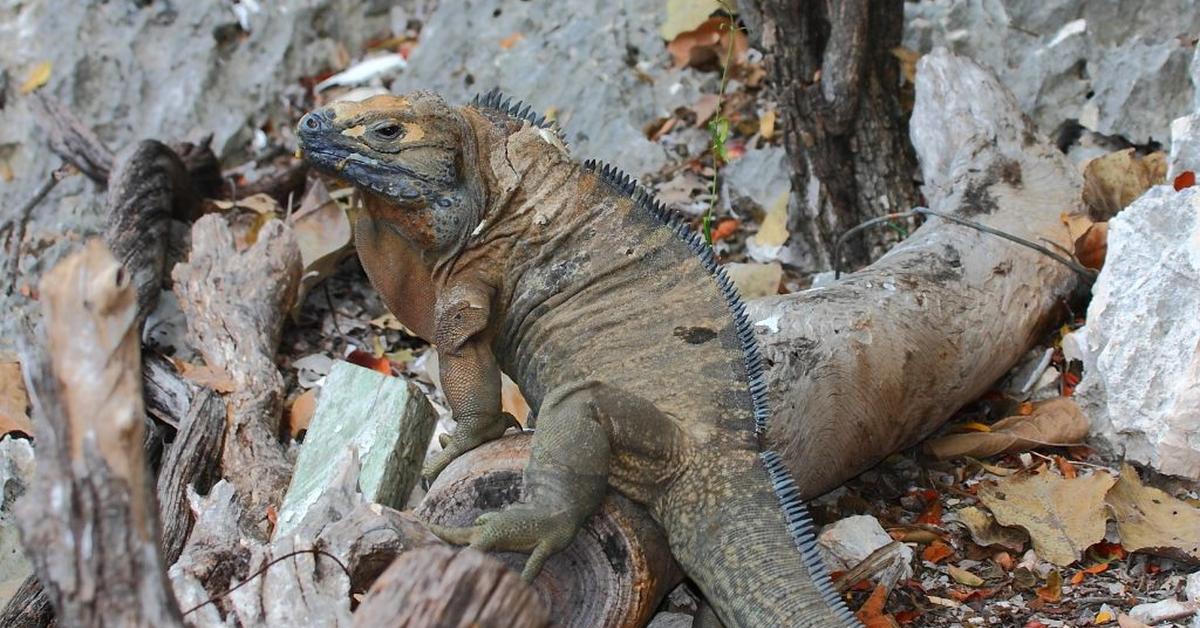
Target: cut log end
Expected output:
[613,574]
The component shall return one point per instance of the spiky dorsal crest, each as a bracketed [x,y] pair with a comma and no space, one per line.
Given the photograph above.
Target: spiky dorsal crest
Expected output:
[642,198]
[495,100]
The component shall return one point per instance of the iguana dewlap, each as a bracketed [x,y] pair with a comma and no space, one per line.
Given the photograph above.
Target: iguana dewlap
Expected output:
[486,238]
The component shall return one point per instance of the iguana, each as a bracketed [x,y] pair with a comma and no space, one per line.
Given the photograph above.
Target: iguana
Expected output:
[486,238]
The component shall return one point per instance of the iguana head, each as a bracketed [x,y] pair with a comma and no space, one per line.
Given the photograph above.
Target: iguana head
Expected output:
[406,154]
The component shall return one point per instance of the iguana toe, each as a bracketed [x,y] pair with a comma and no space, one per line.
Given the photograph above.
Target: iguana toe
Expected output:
[518,528]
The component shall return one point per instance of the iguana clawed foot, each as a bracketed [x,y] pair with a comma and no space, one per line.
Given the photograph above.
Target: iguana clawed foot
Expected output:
[467,436]
[518,528]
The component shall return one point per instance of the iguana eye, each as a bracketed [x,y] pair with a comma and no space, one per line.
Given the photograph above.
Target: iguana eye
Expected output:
[388,132]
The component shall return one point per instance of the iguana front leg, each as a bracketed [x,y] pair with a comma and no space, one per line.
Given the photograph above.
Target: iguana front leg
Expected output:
[469,373]
[565,482]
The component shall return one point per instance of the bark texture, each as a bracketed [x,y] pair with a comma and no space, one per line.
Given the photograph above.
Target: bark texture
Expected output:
[442,587]
[836,81]
[93,539]
[875,362]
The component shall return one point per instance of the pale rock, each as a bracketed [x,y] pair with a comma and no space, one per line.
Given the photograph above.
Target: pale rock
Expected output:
[1116,67]
[1156,612]
[585,64]
[757,179]
[1185,146]
[845,543]
[16,471]
[1141,379]
[1192,588]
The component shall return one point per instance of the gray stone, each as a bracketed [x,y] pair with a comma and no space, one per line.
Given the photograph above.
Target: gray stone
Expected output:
[845,543]
[168,70]
[1185,146]
[601,69]
[759,178]
[1141,363]
[1192,589]
[386,420]
[16,470]
[1157,612]
[1116,67]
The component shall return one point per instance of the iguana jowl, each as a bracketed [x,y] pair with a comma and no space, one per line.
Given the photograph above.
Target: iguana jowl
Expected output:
[486,238]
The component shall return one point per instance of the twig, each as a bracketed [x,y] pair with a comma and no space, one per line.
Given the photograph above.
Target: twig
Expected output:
[262,570]
[1087,274]
[17,223]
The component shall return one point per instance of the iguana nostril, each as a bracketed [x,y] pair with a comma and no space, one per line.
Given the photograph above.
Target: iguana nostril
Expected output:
[310,122]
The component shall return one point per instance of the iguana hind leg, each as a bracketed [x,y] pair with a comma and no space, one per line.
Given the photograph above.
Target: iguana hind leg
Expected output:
[565,482]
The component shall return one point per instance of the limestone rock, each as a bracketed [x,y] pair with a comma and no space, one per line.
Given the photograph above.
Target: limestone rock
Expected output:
[1141,380]
[16,470]
[1118,68]
[1185,146]
[601,70]
[847,542]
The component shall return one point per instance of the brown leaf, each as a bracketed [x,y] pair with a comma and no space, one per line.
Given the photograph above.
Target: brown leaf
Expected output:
[511,40]
[301,412]
[985,531]
[908,62]
[871,612]
[1092,246]
[14,401]
[1062,517]
[936,552]
[213,377]
[1052,590]
[1150,520]
[1111,182]
[708,45]
[1055,422]
[324,234]
[962,576]
[686,15]
[766,125]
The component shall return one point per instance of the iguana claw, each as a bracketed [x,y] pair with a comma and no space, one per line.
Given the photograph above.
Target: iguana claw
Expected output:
[518,528]
[467,436]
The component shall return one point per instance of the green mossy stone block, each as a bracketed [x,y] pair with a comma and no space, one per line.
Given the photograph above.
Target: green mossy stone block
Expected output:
[387,420]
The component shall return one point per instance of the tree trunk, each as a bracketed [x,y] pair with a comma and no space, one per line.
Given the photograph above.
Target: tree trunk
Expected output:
[836,81]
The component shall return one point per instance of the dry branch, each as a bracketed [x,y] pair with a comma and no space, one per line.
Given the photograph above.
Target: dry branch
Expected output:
[615,572]
[93,538]
[236,302]
[438,586]
[878,360]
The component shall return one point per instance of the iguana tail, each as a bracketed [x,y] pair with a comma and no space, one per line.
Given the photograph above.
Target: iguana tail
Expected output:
[738,529]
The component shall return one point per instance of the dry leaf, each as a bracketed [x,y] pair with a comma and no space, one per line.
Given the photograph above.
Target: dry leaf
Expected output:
[705,107]
[1111,182]
[686,15]
[213,377]
[936,552]
[871,612]
[324,234]
[511,40]
[1184,180]
[1052,591]
[1062,517]
[908,62]
[259,203]
[724,228]
[301,412]
[38,76]
[1150,520]
[1092,246]
[708,44]
[985,531]
[774,231]
[766,125]
[14,401]
[511,399]
[755,280]
[1055,422]
[962,576]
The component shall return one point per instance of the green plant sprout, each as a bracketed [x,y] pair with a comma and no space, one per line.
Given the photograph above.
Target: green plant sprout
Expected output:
[718,127]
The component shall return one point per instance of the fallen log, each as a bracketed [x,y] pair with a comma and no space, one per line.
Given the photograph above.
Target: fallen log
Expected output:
[878,360]
[439,587]
[95,545]
[615,572]
[236,303]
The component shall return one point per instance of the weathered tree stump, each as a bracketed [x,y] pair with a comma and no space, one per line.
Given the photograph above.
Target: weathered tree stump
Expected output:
[439,587]
[613,574]
[93,537]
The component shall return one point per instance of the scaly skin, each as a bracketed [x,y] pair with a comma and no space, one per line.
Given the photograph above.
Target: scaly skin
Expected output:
[486,238]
